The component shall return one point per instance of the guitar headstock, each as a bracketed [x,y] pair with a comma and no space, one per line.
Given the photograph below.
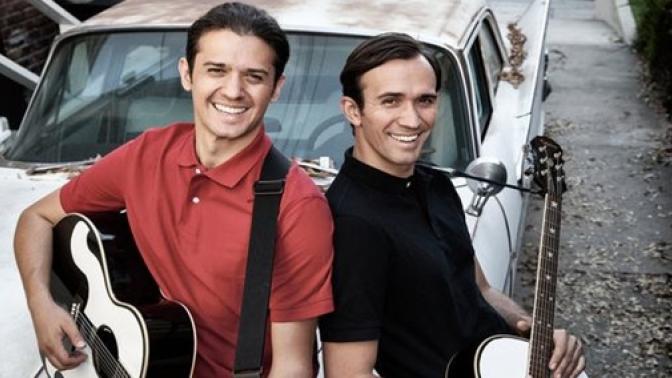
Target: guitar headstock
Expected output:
[549,171]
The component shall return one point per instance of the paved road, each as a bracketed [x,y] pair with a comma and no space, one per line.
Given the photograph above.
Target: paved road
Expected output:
[616,253]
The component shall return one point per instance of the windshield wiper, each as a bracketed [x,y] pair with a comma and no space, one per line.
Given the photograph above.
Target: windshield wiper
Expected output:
[73,166]
[317,167]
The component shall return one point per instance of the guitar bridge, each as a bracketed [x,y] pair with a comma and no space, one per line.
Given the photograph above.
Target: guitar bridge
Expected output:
[75,311]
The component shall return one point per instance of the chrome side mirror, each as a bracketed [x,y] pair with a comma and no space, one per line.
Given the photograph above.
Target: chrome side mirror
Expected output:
[491,170]
[5,135]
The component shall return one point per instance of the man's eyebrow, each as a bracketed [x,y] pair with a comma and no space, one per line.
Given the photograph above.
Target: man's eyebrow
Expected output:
[399,94]
[217,64]
[390,94]
[258,71]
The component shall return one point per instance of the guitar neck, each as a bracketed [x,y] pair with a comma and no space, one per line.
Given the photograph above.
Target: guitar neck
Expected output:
[541,339]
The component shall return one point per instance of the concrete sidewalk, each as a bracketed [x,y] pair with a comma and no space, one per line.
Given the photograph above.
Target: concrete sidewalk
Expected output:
[614,287]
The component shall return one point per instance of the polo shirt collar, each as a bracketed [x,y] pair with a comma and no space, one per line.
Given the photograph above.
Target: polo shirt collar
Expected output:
[376,178]
[232,171]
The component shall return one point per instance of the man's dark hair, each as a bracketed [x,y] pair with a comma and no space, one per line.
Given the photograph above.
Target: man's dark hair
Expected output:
[377,51]
[242,19]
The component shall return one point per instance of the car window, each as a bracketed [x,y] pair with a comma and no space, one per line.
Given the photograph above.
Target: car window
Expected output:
[449,143]
[491,56]
[103,89]
[480,86]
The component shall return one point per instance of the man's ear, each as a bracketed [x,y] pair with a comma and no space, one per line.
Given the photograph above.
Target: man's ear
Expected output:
[185,75]
[351,111]
[278,88]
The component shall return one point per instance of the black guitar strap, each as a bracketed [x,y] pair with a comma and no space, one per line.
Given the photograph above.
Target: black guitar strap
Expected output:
[252,329]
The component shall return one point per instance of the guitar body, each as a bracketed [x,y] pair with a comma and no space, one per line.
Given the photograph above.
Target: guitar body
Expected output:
[499,356]
[130,329]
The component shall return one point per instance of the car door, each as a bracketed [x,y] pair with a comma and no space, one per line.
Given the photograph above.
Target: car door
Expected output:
[508,115]
[495,230]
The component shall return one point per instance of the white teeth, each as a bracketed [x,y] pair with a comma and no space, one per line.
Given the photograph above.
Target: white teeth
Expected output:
[404,138]
[229,109]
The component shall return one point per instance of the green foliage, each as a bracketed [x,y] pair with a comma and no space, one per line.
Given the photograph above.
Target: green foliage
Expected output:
[654,42]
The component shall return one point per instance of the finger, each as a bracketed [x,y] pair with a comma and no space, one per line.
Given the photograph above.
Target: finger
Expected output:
[580,366]
[578,351]
[71,331]
[66,361]
[523,326]
[578,360]
[560,340]
[63,359]
[567,362]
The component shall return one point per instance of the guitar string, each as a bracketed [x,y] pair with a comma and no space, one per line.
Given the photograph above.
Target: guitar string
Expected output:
[545,312]
[543,331]
[552,270]
[536,330]
[549,286]
[541,321]
[107,361]
[111,365]
[91,337]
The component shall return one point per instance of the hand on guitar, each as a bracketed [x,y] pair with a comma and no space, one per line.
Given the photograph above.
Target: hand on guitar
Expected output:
[567,359]
[53,325]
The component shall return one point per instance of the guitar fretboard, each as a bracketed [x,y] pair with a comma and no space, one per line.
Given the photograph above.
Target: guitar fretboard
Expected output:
[541,340]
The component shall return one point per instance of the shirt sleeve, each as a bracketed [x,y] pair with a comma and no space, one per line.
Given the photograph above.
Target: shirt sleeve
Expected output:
[100,187]
[360,279]
[301,286]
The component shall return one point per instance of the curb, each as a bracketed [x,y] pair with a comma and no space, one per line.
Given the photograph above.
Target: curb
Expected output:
[618,14]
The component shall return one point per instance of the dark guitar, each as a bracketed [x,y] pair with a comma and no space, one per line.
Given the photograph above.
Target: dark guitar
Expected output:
[130,329]
[506,356]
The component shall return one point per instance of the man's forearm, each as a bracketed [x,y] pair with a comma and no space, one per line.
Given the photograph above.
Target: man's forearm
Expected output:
[32,248]
[33,245]
[506,307]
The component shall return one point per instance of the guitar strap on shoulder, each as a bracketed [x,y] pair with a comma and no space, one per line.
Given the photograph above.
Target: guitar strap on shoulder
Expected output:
[256,293]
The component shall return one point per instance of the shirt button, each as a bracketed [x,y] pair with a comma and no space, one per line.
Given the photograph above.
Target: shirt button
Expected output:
[195,200]
[408,185]
[197,171]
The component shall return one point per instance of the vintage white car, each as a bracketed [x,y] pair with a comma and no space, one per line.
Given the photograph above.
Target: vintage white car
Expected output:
[112,77]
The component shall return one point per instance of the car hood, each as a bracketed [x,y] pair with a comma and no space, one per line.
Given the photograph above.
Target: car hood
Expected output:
[17,191]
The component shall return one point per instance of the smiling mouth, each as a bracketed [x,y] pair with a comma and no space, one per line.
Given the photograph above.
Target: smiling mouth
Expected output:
[229,109]
[405,138]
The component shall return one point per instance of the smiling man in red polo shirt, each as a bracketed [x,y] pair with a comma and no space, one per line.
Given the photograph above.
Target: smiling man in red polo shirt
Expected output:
[188,191]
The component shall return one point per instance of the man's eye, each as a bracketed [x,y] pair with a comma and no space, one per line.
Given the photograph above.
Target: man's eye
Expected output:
[428,101]
[390,101]
[215,70]
[254,78]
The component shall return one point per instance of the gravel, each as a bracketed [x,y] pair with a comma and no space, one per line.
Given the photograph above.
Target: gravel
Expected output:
[615,284]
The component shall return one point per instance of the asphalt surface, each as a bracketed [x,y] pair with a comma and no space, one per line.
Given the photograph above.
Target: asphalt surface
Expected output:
[614,287]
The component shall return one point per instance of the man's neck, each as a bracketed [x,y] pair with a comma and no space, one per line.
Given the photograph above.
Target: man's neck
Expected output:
[382,165]
[213,151]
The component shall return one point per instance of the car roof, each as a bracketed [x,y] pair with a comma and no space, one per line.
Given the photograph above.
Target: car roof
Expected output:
[444,21]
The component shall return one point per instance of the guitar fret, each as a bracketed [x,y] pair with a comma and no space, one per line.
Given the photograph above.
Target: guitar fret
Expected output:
[544,311]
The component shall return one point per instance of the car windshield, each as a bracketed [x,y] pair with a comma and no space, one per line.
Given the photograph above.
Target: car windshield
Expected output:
[101,90]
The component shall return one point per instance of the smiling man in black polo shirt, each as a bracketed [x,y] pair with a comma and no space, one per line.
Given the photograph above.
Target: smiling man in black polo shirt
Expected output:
[408,290]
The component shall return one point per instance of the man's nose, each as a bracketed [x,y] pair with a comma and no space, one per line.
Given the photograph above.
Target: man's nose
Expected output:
[409,116]
[232,86]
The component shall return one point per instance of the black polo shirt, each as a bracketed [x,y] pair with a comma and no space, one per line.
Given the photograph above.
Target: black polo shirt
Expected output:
[404,270]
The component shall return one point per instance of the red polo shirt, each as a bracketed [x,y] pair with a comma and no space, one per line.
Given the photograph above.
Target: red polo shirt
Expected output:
[192,225]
